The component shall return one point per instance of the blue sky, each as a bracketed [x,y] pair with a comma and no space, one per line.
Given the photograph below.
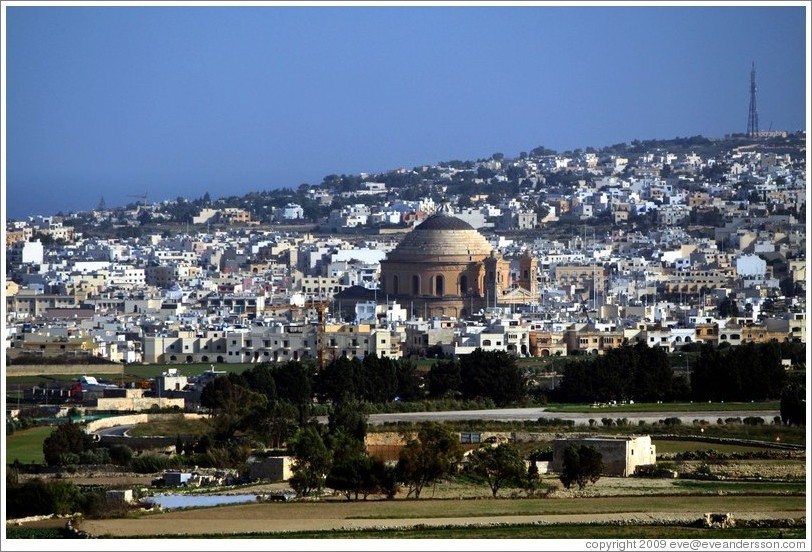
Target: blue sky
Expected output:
[179,101]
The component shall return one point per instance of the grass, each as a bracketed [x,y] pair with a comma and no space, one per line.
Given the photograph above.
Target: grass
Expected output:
[558,531]
[176,426]
[665,407]
[128,372]
[741,487]
[190,521]
[26,445]
[671,447]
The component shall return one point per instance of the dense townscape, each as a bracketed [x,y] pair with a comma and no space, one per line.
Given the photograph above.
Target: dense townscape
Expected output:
[668,243]
[276,324]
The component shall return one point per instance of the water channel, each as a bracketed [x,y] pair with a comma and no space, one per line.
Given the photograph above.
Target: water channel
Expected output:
[198,501]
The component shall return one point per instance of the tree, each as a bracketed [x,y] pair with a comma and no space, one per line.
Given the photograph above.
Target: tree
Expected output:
[348,417]
[444,378]
[492,374]
[581,465]
[352,470]
[312,461]
[276,423]
[260,378]
[294,382]
[38,497]
[728,307]
[65,444]
[428,457]
[378,381]
[338,379]
[408,381]
[501,466]
[793,405]
[234,406]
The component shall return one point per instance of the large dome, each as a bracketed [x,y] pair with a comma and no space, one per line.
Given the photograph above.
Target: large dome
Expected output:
[441,235]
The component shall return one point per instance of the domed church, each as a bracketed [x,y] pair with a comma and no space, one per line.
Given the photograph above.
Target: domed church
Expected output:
[445,267]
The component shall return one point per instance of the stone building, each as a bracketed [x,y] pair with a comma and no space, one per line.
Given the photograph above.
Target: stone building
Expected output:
[620,455]
[446,268]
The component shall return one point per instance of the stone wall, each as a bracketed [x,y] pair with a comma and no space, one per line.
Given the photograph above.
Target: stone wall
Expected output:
[69,369]
[137,403]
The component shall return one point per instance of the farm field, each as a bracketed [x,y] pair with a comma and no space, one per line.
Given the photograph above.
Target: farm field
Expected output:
[270,518]
[56,372]
[26,445]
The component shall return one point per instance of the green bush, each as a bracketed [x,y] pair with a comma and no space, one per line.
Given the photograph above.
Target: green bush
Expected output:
[120,454]
[149,463]
[37,497]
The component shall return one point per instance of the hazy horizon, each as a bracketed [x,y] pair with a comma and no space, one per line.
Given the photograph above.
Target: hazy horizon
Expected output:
[116,102]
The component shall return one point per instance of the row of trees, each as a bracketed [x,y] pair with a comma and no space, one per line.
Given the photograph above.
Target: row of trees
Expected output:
[744,373]
[637,372]
[642,373]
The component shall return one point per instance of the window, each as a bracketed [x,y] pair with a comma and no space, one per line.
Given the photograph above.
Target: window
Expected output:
[463,284]
[395,284]
[415,284]
[439,285]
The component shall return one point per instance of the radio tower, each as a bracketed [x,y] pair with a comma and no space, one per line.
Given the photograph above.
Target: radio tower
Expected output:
[752,118]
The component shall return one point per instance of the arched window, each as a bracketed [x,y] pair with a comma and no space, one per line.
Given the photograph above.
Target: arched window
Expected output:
[439,286]
[486,342]
[415,284]
[463,284]
[395,284]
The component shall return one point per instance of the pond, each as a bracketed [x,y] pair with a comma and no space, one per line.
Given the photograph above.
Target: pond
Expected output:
[198,501]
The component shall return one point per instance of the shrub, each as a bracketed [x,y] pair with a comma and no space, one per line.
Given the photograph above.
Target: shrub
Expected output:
[36,497]
[672,421]
[149,463]
[552,422]
[120,454]
[753,420]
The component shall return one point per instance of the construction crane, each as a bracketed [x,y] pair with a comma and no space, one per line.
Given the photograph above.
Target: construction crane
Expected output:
[321,309]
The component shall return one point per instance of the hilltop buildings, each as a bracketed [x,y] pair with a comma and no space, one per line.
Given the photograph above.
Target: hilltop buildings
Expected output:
[691,248]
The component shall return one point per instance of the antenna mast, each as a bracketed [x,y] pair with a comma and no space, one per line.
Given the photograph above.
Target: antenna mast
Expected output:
[752,118]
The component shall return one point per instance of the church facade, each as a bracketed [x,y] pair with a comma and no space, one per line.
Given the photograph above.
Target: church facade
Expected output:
[444,267]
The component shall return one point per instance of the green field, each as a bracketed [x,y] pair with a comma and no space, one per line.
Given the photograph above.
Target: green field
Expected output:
[741,487]
[26,445]
[127,371]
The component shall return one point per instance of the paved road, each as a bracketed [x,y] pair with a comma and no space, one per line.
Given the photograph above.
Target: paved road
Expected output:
[115,431]
[532,414]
